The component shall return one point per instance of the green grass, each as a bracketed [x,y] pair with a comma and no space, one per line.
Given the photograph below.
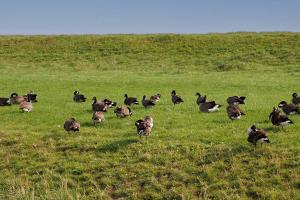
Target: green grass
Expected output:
[189,155]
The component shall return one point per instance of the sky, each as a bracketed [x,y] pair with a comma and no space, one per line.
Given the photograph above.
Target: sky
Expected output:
[147,16]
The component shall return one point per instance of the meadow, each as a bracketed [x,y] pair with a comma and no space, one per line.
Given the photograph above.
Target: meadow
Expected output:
[190,155]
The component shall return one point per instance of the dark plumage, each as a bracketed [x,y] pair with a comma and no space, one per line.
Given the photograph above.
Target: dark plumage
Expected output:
[278,118]
[236,100]
[296,99]
[4,101]
[71,125]
[123,111]
[200,98]
[98,117]
[147,102]
[155,98]
[144,127]
[208,106]
[234,112]
[175,98]
[16,99]
[99,105]
[78,97]
[257,135]
[130,100]
[289,109]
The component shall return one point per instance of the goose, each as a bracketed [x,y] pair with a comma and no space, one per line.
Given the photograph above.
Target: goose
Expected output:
[130,100]
[123,111]
[5,101]
[148,121]
[142,128]
[256,135]
[109,103]
[296,99]
[200,98]
[234,112]
[278,118]
[98,105]
[31,96]
[175,98]
[98,117]
[16,99]
[289,109]
[147,102]
[78,97]
[155,98]
[71,125]
[26,106]
[208,106]
[236,100]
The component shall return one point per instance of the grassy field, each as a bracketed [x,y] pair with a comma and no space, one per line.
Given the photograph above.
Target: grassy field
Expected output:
[190,155]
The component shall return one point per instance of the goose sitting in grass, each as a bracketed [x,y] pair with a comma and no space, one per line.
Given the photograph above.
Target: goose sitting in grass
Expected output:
[200,98]
[78,97]
[234,112]
[289,109]
[236,100]
[71,125]
[296,98]
[98,117]
[147,102]
[32,96]
[26,106]
[155,98]
[144,127]
[123,111]
[256,135]
[208,107]
[4,101]
[16,99]
[175,98]
[98,105]
[278,118]
[130,100]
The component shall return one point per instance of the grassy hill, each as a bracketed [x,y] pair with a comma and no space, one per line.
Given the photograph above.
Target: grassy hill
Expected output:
[189,155]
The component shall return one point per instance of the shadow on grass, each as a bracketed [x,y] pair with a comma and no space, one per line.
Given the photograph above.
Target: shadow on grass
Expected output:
[274,129]
[115,146]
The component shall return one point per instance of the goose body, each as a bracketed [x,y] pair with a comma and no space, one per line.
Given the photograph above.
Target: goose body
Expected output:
[109,103]
[26,106]
[123,111]
[16,99]
[98,117]
[200,98]
[78,97]
[71,125]
[175,98]
[208,106]
[155,98]
[99,105]
[5,101]
[236,100]
[234,112]
[130,100]
[257,136]
[279,119]
[289,109]
[144,127]
[147,102]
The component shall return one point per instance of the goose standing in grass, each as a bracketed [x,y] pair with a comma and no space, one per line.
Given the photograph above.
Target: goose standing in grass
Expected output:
[199,98]
[26,106]
[155,98]
[98,105]
[234,112]
[256,135]
[278,118]
[130,100]
[147,102]
[71,125]
[78,97]
[296,98]
[123,111]
[236,100]
[208,107]
[175,98]
[98,117]
[4,101]
[289,109]
[148,121]
[16,99]
[144,127]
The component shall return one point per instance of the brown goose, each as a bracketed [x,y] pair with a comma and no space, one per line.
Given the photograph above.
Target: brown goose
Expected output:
[130,100]
[257,135]
[234,112]
[98,117]
[236,100]
[289,109]
[16,99]
[78,97]
[148,121]
[123,111]
[142,128]
[99,105]
[208,106]
[200,98]
[278,118]
[175,98]
[26,106]
[155,98]
[71,125]
[296,99]
[147,102]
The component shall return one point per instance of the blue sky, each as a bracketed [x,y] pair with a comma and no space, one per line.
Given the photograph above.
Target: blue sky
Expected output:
[147,16]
